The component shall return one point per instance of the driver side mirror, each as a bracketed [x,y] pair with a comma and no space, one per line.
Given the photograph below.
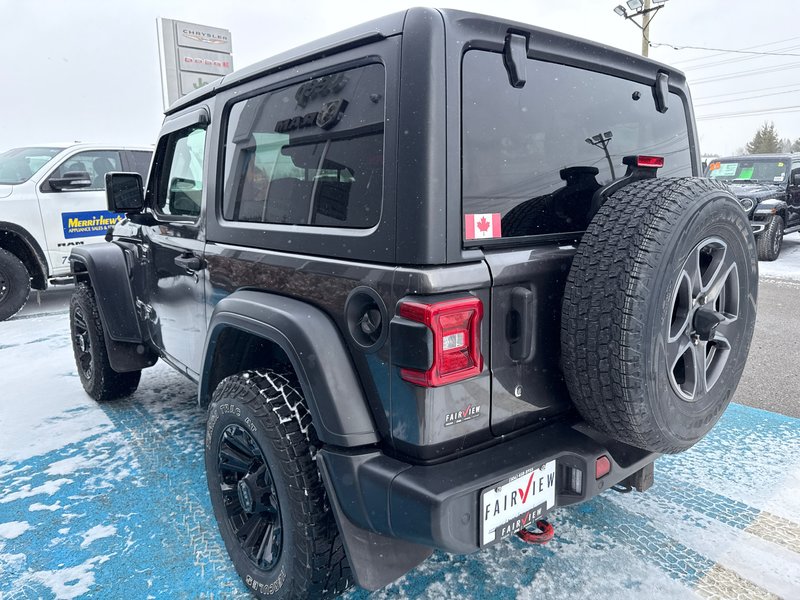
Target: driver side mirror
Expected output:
[72,180]
[124,192]
[796,179]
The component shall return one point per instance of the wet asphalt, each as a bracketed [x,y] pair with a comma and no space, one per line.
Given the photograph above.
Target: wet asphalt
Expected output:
[772,375]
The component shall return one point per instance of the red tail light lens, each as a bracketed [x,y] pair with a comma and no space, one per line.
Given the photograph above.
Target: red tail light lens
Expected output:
[456,329]
[650,161]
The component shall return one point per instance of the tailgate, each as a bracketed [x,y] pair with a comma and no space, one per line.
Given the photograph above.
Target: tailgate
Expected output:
[527,289]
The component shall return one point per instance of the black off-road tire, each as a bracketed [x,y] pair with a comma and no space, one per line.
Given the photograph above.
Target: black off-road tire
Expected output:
[15,284]
[771,239]
[630,306]
[267,411]
[99,380]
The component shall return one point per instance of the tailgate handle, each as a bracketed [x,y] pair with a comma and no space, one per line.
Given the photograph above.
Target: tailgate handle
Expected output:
[519,323]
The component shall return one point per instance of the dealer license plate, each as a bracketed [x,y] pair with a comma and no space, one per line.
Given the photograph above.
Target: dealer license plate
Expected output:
[517,502]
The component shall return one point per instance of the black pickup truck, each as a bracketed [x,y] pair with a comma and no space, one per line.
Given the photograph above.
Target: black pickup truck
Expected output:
[434,276]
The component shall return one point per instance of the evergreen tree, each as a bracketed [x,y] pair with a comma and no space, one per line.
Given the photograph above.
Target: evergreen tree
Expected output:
[796,145]
[765,141]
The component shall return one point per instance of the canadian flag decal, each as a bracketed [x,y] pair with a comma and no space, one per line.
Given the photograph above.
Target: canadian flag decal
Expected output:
[482,226]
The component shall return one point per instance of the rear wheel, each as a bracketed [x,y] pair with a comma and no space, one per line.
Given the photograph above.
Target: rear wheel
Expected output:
[267,494]
[99,380]
[659,311]
[15,285]
[771,239]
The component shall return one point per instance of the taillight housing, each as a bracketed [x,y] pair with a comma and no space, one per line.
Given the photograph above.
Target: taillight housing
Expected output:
[455,327]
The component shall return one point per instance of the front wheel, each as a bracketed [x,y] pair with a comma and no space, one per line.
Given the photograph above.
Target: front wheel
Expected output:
[771,239]
[267,494]
[99,380]
[15,285]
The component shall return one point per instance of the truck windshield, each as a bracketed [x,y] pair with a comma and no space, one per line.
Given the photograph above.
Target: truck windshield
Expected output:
[760,170]
[20,164]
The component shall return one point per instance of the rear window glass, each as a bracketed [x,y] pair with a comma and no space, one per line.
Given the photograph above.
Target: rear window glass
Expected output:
[308,154]
[533,157]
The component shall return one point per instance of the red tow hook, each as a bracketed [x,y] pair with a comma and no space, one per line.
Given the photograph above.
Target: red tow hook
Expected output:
[544,535]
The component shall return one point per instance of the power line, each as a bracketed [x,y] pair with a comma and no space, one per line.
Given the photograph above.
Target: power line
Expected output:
[748,98]
[745,48]
[664,45]
[748,91]
[730,61]
[751,113]
[746,72]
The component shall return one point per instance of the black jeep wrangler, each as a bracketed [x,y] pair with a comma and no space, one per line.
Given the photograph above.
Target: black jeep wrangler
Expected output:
[768,186]
[434,276]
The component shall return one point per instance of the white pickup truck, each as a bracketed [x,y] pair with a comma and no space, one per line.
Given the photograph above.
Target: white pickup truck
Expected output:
[52,197]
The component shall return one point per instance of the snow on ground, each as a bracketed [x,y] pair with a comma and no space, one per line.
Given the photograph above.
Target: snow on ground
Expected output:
[787,266]
[13,529]
[97,498]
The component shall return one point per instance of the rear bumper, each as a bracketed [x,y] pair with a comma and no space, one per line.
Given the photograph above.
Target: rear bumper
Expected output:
[438,506]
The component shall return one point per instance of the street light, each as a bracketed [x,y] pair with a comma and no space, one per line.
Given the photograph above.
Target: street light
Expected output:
[646,11]
[601,140]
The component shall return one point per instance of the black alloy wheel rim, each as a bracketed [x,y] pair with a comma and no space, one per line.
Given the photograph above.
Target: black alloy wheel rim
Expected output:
[776,243]
[705,318]
[83,346]
[250,497]
[4,286]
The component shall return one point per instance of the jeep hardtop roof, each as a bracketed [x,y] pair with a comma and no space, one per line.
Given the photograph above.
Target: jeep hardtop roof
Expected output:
[556,44]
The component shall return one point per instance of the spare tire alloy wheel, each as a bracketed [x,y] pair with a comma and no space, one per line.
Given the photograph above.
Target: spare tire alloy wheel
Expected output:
[658,312]
[705,311]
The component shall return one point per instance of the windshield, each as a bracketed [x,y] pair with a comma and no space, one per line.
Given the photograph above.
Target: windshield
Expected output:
[761,170]
[20,164]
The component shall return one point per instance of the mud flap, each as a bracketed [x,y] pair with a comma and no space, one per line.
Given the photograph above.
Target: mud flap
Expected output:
[375,560]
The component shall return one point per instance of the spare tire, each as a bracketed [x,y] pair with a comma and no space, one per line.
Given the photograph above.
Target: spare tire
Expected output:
[658,312]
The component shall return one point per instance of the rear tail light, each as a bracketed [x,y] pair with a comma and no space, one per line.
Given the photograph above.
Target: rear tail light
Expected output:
[455,326]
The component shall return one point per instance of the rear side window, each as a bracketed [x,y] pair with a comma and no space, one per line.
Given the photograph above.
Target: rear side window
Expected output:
[537,154]
[140,162]
[308,154]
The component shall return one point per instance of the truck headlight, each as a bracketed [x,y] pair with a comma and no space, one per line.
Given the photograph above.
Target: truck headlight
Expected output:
[747,204]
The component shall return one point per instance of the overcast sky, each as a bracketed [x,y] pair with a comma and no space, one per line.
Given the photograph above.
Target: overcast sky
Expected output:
[88,69]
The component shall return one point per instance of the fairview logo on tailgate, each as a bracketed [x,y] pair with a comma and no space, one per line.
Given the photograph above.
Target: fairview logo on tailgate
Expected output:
[512,505]
[88,223]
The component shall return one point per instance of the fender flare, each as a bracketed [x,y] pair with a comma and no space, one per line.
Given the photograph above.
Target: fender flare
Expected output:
[765,208]
[335,399]
[108,271]
[33,247]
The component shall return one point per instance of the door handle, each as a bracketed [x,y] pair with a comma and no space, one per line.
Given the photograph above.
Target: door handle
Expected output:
[189,261]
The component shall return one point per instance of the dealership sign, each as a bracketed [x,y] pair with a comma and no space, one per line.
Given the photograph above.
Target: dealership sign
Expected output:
[191,56]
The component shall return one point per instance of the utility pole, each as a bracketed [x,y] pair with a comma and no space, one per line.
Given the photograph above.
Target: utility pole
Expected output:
[647,16]
[647,9]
